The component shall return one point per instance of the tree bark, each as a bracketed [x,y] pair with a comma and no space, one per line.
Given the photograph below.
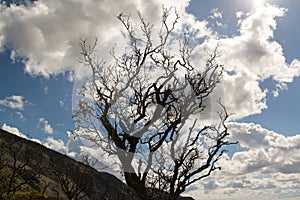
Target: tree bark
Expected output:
[134,182]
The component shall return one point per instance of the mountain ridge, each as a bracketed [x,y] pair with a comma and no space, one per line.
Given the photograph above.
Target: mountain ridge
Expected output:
[50,170]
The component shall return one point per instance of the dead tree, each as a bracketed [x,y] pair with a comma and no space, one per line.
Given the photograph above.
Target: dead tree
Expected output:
[20,167]
[73,180]
[145,107]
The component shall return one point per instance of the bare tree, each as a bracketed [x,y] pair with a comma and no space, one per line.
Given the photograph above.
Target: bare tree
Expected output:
[73,181]
[145,108]
[20,167]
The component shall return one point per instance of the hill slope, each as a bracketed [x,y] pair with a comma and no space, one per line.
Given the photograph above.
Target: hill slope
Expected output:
[29,170]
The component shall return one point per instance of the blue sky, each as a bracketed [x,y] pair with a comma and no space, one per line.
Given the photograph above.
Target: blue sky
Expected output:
[39,49]
[43,98]
[283,113]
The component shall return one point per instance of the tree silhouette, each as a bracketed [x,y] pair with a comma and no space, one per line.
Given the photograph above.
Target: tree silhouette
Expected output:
[17,171]
[145,107]
[74,180]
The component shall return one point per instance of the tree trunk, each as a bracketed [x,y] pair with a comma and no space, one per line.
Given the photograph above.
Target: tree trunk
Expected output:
[134,182]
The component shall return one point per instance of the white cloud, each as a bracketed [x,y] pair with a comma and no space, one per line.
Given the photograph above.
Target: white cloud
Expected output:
[269,161]
[239,14]
[266,167]
[64,102]
[20,115]
[16,131]
[215,13]
[55,144]
[13,102]
[277,152]
[46,90]
[50,142]
[45,126]
[61,103]
[13,130]
[58,26]
[252,57]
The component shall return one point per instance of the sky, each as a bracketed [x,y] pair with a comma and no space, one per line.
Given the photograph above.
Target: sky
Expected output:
[39,51]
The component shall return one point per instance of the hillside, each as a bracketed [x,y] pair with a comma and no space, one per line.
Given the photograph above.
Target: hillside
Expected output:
[29,170]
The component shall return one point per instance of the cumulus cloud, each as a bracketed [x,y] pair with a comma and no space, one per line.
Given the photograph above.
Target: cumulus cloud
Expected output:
[55,144]
[266,163]
[13,102]
[265,159]
[249,58]
[44,125]
[60,146]
[58,26]
[16,131]
[252,57]
[13,130]
[267,151]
